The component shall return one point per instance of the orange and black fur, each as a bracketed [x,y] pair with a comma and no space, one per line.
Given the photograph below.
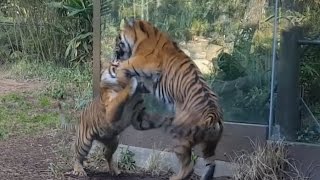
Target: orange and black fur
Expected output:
[144,51]
[106,117]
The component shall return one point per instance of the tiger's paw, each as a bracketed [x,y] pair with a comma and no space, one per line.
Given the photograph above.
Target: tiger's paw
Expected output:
[80,172]
[114,171]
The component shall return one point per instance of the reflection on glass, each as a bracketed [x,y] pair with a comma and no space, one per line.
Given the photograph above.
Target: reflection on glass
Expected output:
[230,41]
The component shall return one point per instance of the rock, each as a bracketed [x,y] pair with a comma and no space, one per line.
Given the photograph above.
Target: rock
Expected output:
[213,51]
[187,52]
[199,55]
[205,66]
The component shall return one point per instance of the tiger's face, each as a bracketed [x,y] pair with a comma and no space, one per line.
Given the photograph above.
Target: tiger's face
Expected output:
[123,46]
[131,32]
[123,50]
[108,79]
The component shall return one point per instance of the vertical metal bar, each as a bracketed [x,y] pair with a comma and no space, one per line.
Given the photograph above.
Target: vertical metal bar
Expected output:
[96,46]
[274,47]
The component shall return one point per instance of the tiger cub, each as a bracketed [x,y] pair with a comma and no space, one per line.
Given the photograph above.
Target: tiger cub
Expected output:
[106,117]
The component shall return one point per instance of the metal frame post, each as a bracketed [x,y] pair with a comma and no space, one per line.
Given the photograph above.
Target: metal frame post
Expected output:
[96,46]
[288,93]
[274,47]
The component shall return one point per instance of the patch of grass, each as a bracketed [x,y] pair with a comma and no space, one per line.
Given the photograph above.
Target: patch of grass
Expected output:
[11,97]
[62,81]
[266,161]
[194,157]
[26,114]
[126,161]
[44,101]
[64,150]
[156,164]
[72,85]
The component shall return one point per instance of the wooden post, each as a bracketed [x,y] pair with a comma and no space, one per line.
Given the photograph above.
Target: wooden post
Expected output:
[287,112]
[96,46]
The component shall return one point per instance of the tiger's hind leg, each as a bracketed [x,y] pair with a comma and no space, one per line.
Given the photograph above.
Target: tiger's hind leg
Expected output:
[208,151]
[111,146]
[82,146]
[209,146]
[182,150]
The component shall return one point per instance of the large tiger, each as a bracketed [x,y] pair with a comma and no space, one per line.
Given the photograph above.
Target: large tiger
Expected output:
[144,51]
[106,117]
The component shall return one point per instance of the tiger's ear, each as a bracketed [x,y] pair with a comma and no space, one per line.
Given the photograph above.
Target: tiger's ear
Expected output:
[126,22]
[122,24]
[130,21]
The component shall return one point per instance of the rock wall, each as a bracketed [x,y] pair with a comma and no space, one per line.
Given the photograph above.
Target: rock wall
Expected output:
[202,53]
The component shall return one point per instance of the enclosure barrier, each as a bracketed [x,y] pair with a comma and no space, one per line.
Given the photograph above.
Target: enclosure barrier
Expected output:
[287,106]
[238,136]
[96,46]
[289,100]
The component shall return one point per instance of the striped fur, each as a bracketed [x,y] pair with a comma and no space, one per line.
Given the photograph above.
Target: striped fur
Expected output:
[144,51]
[106,117]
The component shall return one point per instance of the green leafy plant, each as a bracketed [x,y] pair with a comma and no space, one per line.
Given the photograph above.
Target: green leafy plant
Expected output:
[309,135]
[79,48]
[199,27]
[127,161]
[194,157]
[230,66]
[57,91]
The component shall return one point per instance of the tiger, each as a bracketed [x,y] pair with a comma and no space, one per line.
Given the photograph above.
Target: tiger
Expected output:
[142,50]
[106,117]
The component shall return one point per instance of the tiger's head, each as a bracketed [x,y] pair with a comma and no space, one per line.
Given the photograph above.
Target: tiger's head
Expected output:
[132,32]
[107,76]
[108,79]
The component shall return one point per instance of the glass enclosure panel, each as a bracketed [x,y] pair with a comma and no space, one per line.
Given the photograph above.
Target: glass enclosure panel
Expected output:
[230,41]
[305,14]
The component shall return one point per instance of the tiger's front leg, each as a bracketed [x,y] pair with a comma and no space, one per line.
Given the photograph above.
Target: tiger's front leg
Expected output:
[137,66]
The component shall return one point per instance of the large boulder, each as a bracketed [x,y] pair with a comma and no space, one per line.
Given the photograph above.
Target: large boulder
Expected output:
[202,52]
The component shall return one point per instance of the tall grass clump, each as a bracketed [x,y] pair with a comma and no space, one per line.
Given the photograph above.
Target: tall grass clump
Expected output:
[268,161]
[46,31]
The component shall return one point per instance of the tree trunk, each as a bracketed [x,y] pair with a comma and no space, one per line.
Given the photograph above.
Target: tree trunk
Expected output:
[255,11]
[142,9]
[158,3]
[134,8]
[147,11]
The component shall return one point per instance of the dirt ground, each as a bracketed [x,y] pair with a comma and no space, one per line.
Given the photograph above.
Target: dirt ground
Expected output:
[9,85]
[38,157]
[34,158]
[26,157]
